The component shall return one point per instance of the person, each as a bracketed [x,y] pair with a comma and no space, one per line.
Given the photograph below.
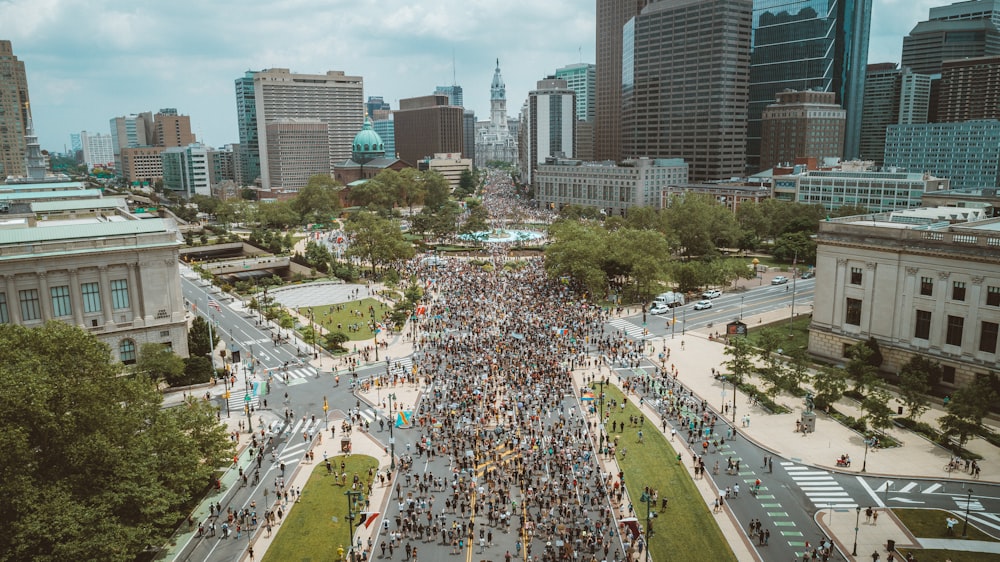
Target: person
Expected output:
[950,523]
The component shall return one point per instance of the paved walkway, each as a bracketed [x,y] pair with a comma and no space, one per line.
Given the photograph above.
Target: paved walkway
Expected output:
[694,355]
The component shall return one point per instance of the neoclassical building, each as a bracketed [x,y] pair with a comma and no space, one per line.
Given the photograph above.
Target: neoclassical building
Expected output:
[103,269]
[920,281]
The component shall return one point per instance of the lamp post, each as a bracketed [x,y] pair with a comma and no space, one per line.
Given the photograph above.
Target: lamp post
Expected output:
[965,526]
[353,497]
[760,277]
[791,316]
[246,408]
[733,382]
[392,438]
[647,499]
[684,323]
[741,306]
[864,462]
[857,522]
[673,321]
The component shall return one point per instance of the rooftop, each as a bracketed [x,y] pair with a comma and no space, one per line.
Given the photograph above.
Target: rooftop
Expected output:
[78,204]
[74,230]
[53,195]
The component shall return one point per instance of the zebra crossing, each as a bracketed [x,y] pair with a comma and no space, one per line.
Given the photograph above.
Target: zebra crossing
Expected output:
[819,486]
[238,399]
[630,329]
[292,375]
[295,444]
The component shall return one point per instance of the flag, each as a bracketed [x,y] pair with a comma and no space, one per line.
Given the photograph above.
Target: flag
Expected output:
[212,303]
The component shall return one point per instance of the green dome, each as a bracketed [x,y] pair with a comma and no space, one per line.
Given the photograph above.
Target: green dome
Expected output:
[367,144]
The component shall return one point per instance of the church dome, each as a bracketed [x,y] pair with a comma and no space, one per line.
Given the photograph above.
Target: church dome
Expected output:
[367,144]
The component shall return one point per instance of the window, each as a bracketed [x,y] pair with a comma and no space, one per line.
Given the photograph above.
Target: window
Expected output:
[91,297]
[30,310]
[126,351]
[954,334]
[855,276]
[4,317]
[926,286]
[947,374]
[119,294]
[988,337]
[958,290]
[993,296]
[922,329]
[60,301]
[853,312]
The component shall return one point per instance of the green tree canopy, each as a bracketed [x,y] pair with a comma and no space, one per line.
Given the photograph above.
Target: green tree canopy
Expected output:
[160,363]
[576,252]
[94,468]
[968,406]
[198,344]
[376,239]
[319,200]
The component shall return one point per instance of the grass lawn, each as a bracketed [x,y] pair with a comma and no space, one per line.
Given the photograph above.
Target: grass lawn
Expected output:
[935,555]
[929,524]
[318,524]
[686,529]
[329,317]
[800,332]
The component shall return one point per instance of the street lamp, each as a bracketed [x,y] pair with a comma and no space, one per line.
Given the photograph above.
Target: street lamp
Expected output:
[246,407]
[392,438]
[741,306]
[864,463]
[733,382]
[857,522]
[353,498]
[647,499]
[965,526]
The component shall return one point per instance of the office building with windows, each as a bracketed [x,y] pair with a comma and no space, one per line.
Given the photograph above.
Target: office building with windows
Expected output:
[970,89]
[454,93]
[14,108]
[808,45]
[428,125]
[248,157]
[922,282]
[334,99]
[296,150]
[606,185]
[801,125]
[98,150]
[96,266]
[893,96]
[967,153]
[967,29]
[612,15]
[685,67]
[876,191]
[550,125]
[187,169]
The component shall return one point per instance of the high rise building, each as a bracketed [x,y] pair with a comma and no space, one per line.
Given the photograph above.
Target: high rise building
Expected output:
[468,134]
[132,131]
[141,165]
[495,142]
[386,129]
[334,99]
[186,169]
[550,125]
[454,94]
[14,107]
[612,15]
[970,89]
[296,150]
[967,153]
[428,125]
[801,125]
[582,79]
[376,103]
[75,144]
[246,117]
[172,129]
[98,150]
[685,66]
[808,45]
[961,30]
[892,97]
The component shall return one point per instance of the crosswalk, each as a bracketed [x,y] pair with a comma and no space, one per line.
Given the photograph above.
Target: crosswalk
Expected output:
[292,374]
[819,486]
[238,398]
[296,444]
[630,329]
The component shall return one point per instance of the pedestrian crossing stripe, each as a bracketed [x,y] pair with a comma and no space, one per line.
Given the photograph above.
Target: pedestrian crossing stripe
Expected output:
[630,329]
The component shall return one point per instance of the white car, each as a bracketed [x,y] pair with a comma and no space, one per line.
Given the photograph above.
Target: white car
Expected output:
[659,308]
[711,294]
[779,280]
[701,305]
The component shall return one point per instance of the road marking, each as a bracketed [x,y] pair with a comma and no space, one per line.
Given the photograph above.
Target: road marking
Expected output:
[769,505]
[871,492]
[784,524]
[777,514]
[930,489]
[907,488]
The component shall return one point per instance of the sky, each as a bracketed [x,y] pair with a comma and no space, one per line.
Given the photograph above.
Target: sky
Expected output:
[90,60]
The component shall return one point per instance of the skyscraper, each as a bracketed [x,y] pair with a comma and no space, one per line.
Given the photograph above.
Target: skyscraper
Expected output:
[246,118]
[454,94]
[334,99]
[808,45]
[98,149]
[969,89]
[172,129]
[582,79]
[892,97]
[957,31]
[685,66]
[426,126]
[375,103]
[611,17]
[550,125]
[132,131]
[801,125]
[14,109]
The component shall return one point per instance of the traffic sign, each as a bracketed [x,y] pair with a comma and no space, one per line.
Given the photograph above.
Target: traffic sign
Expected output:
[246,397]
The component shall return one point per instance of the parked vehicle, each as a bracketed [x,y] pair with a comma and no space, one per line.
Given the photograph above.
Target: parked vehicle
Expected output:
[779,280]
[809,275]
[711,294]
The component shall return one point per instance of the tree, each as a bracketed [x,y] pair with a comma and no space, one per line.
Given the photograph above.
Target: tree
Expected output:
[830,385]
[437,190]
[700,224]
[476,221]
[640,254]
[859,368]
[916,378]
[319,200]
[160,363]
[968,406]
[94,468]
[279,214]
[466,184]
[336,340]
[197,370]
[198,344]
[376,239]
[772,369]
[741,363]
[318,256]
[576,252]
[876,408]
[797,246]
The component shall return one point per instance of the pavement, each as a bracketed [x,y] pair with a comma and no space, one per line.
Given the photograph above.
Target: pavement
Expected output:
[694,354]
